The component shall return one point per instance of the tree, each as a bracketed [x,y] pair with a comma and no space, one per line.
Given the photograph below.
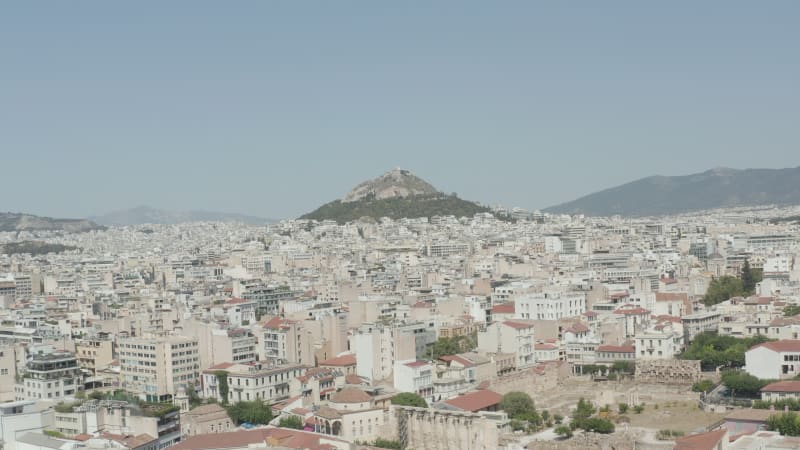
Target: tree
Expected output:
[386,443]
[599,425]
[791,310]
[222,380]
[742,383]
[749,278]
[638,409]
[446,346]
[517,403]
[584,409]
[720,351]
[723,288]
[409,399]
[787,424]
[564,431]
[703,386]
[623,408]
[255,412]
[291,422]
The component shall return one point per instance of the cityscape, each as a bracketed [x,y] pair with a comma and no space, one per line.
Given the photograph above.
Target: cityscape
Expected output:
[361,226]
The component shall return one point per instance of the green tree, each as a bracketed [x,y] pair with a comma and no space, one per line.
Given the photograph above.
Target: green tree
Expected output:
[598,425]
[749,278]
[787,424]
[409,399]
[291,422]
[723,288]
[255,412]
[517,403]
[622,408]
[720,351]
[791,310]
[742,383]
[703,386]
[584,409]
[386,443]
[564,431]
[222,380]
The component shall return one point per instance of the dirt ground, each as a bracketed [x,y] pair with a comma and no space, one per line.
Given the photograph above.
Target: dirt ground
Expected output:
[676,415]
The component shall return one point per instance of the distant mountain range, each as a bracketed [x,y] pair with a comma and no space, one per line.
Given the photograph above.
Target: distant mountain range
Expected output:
[395,194]
[144,214]
[28,222]
[716,188]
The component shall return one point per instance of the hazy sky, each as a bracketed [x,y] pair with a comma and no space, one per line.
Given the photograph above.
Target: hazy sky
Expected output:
[273,108]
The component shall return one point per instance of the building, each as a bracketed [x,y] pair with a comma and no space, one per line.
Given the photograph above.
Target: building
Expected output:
[701,322]
[154,368]
[206,419]
[415,377]
[249,382]
[781,390]
[511,336]
[550,305]
[54,376]
[483,400]
[776,360]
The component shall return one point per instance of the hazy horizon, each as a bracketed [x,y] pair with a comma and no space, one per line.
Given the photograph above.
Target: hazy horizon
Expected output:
[272,109]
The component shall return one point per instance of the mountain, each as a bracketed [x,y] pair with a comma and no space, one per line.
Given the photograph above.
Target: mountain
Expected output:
[145,214]
[716,188]
[28,222]
[395,194]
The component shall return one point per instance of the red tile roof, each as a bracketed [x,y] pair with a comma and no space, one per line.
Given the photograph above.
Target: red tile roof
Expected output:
[518,324]
[476,401]
[459,359]
[504,308]
[340,361]
[242,439]
[671,296]
[632,311]
[780,346]
[702,441]
[782,386]
[416,364]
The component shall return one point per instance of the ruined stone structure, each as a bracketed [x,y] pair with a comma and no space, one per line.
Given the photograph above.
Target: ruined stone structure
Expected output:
[668,371]
[436,429]
[534,381]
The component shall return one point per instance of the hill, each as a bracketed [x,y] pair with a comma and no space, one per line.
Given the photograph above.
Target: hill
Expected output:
[716,188]
[28,222]
[395,194]
[144,214]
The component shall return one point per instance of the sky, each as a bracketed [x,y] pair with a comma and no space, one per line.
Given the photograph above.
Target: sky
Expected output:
[273,108]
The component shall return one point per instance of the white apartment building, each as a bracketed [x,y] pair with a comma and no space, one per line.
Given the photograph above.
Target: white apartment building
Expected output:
[248,382]
[52,376]
[378,347]
[775,360]
[511,336]
[154,368]
[661,344]
[550,305]
[414,376]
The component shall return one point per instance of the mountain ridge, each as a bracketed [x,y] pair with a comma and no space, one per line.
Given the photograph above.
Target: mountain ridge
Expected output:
[395,194]
[715,188]
[141,215]
[29,222]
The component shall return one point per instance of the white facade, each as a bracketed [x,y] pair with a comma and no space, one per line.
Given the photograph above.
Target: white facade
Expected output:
[773,360]
[511,336]
[550,305]
[415,377]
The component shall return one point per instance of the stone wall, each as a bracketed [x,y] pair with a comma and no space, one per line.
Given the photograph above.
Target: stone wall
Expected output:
[668,371]
[436,429]
[534,381]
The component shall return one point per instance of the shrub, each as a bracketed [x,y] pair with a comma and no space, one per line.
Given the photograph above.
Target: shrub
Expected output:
[622,408]
[291,422]
[638,409]
[564,431]
[409,399]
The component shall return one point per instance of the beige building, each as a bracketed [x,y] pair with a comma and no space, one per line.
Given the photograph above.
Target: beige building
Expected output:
[154,368]
[95,353]
[511,336]
[248,382]
[206,419]
[351,415]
